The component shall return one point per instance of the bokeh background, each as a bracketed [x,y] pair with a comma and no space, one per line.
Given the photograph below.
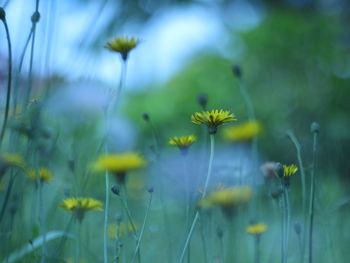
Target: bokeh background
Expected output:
[295,61]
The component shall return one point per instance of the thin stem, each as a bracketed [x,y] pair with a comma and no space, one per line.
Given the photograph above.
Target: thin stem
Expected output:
[142,229]
[312,195]
[7,196]
[42,218]
[257,249]
[195,219]
[105,237]
[287,222]
[9,80]
[283,227]
[78,248]
[204,243]
[126,208]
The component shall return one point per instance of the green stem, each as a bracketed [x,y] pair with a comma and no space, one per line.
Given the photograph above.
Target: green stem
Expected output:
[296,143]
[312,195]
[204,243]
[142,229]
[9,80]
[257,249]
[195,219]
[287,222]
[78,248]
[126,208]
[105,229]
[42,219]
[283,228]
[7,196]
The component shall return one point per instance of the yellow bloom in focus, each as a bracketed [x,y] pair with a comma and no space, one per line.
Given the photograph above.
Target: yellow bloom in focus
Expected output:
[10,159]
[289,170]
[119,163]
[256,229]
[213,119]
[228,197]
[183,142]
[80,205]
[115,230]
[45,175]
[243,132]
[122,45]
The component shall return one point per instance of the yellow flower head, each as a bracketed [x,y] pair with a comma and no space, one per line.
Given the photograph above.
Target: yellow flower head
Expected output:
[119,162]
[122,45]
[80,205]
[228,197]
[256,229]
[289,170]
[243,132]
[115,230]
[213,119]
[45,175]
[11,160]
[183,142]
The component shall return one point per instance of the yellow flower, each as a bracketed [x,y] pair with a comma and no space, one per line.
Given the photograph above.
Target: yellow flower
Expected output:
[243,132]
[120,230]
[256,229]
[80,205]
[45,175]
[228,197]
[122,45]
[183,142]
[289,170]
[213,119]
[10,159]
[119,164]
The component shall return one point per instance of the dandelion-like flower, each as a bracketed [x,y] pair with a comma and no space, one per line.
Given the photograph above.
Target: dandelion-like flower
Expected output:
[213,119]
[119,164]
[45,175]
[8,160]
[289,170]
[80,205]
[122,45]
[121,229]
[227,199]
[256,229]
[183,143]
[243,132]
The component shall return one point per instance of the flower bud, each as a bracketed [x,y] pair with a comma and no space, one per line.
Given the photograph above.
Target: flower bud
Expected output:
[35,17]
[237,71]
[203,100]
[315,127]
[145,116]
[2,14]
[115,189]
[150,189]
[297,228]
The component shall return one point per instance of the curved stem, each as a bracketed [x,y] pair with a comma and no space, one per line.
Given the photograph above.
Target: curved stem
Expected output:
[9,80]
[312,195]
[142,229]
[105,228]
[196,217]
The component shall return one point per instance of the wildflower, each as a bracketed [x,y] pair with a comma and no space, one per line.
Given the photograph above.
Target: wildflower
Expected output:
[80,205]
[285,172]
[45,175]
[243,132]
[119,164]
[227,198]
[122,45]
[8,160]
[183,143]
[119,230]
[256,229]
[213,119]
[289,170]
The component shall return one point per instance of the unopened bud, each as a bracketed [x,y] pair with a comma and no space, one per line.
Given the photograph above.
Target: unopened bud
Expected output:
[35,17]
[115,189]
[2,14]
[150,189]
[219,232]
[145,116]
[315,127]
[297,228]
[203,100]
[237,71]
